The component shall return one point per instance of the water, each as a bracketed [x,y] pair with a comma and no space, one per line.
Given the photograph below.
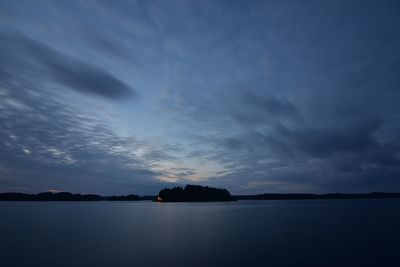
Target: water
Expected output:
[243,233]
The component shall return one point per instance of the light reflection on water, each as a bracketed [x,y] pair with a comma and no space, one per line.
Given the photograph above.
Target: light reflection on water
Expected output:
[243,233]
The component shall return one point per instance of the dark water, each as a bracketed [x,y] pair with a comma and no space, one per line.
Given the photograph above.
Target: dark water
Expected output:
[244,233]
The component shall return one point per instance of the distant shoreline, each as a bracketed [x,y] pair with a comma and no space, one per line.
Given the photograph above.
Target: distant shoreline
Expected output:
[372,195]
[66,196]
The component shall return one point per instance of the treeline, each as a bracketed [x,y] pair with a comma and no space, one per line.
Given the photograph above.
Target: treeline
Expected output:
[66,196]
[194,193]
[190,193]
[317,196]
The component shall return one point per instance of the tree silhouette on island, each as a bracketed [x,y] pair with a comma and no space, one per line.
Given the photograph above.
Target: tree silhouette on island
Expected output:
[194,193]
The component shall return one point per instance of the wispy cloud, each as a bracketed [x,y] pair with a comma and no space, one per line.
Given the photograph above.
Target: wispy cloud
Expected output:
[256,97]
[22,56]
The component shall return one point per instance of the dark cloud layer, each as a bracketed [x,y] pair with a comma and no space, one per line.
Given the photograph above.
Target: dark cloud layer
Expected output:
[24,56]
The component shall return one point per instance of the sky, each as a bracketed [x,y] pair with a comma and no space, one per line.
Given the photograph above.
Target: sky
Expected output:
[118,97]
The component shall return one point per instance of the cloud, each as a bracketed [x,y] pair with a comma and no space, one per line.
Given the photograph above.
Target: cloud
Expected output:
[254,97]
[31,58]
[353,138]
[46,143]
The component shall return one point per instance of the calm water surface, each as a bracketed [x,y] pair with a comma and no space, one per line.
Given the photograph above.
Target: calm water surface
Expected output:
[243,233]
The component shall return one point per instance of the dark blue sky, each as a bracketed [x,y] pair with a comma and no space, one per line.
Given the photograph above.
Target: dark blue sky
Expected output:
[116,97]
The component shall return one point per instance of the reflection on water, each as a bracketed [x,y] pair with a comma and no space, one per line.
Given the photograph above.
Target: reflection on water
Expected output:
[243,233]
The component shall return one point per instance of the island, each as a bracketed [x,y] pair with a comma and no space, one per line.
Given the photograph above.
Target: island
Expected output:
[194,193]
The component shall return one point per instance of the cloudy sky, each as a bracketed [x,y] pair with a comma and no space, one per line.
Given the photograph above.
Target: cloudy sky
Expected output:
[117,97]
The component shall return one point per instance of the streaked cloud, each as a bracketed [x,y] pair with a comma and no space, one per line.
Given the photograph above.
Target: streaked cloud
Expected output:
[131,96]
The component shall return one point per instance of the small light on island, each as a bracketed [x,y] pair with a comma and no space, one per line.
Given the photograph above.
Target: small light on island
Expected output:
[159,199]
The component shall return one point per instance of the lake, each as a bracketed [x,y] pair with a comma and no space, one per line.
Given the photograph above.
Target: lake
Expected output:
[243,233]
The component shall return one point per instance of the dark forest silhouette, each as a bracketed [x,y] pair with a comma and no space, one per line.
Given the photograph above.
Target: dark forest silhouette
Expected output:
[64,196]
[194,193]
[190,193]
[317,196]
